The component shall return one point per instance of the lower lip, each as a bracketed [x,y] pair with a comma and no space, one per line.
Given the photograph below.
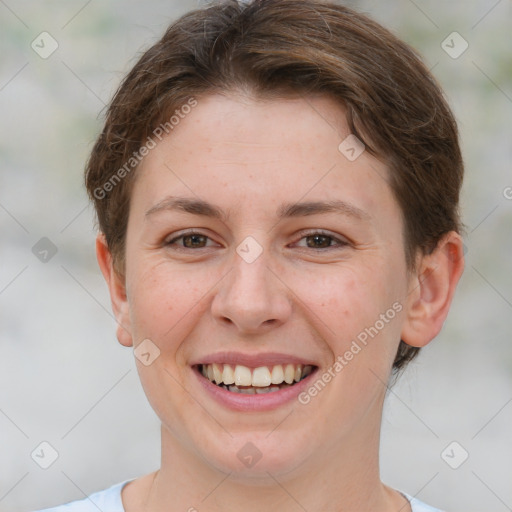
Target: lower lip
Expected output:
[256,402]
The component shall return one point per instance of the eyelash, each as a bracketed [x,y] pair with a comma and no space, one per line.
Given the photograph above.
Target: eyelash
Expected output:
[340,243]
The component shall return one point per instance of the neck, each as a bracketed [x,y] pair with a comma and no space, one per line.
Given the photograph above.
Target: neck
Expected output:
[343,477]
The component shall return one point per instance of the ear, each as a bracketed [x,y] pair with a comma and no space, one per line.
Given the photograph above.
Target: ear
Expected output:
[117,289]
[431,290]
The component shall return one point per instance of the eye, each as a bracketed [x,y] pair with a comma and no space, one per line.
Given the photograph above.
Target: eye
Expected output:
[189,240]
[320,240]
[317,240]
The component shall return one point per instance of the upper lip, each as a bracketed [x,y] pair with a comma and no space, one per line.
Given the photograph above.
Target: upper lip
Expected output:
[252,360]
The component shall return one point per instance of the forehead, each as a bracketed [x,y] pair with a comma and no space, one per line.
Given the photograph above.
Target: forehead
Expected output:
[261,126]
[239,151]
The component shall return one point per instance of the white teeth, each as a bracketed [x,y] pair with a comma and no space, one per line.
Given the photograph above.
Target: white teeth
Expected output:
[263,379]
[242,375]
[217,373]
[298,372]
[289,373]
[277,374]
[228,377]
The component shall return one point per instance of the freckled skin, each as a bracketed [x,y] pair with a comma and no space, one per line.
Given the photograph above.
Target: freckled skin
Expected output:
[248,157]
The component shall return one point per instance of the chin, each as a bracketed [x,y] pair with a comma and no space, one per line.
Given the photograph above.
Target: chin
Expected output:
[255,458]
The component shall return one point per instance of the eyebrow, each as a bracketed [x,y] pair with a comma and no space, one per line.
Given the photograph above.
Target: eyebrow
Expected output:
[200,207]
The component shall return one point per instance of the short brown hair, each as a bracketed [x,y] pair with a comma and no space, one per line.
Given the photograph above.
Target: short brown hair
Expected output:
[281,48]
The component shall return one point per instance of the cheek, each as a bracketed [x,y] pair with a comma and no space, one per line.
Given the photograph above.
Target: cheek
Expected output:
[165,301]
[344,300]
[345,304]
[165,304]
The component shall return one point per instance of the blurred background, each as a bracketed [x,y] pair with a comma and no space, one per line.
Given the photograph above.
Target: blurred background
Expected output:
[64,378]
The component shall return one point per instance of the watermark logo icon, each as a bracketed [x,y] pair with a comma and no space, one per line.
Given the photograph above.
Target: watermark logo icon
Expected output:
[249,454]
[44,45]
[44,455]
[351,147]
[454,45]
[249,249]
[146,352]
[454,455]
[44,250]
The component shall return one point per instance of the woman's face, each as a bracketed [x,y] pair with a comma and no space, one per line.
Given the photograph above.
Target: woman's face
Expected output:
[275,279]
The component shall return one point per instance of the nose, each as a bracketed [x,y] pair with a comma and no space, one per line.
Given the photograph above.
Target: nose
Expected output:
[252,297]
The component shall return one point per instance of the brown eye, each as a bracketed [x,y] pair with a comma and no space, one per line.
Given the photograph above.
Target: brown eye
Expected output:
[192,241]
[189,241]
[319,241]
[322,241]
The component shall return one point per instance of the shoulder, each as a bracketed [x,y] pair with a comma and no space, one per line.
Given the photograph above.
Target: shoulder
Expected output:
[419,506]
[107,500]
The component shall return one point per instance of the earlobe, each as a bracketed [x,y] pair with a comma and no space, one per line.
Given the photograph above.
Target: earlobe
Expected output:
[117,289]
[431,290]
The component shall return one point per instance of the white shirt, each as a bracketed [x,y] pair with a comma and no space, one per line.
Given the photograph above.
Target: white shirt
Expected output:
[109,500]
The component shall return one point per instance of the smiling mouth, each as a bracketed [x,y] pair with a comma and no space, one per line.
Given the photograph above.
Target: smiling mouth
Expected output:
[264,379]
